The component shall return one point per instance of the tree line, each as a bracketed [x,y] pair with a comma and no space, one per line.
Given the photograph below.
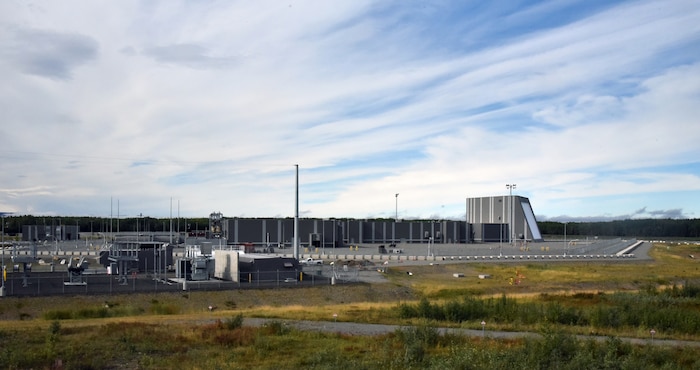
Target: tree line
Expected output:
[642,228]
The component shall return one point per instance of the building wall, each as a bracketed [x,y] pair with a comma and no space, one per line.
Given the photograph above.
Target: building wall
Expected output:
[226,265]
[266,268]
[322,233]
[50,233]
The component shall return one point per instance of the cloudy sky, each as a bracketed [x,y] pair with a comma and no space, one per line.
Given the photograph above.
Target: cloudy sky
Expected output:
[592,108]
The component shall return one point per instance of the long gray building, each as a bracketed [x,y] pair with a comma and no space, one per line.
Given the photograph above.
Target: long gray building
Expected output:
[489,219]
[337,233]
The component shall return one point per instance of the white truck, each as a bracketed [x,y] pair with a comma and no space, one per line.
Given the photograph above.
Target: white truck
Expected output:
[311,261]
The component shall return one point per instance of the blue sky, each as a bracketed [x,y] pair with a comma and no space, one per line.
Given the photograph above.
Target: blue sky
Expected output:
[589,107]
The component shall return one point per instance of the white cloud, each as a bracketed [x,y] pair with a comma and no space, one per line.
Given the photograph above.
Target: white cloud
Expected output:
[212,103]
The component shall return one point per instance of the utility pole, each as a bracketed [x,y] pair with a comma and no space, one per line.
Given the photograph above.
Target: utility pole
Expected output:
[296,216]
[396,214]
[511,219]
[565,243]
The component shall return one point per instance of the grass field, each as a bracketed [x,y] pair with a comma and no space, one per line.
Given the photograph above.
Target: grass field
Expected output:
[165,330]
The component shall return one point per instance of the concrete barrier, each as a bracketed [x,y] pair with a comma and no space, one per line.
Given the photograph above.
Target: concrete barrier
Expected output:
[630,248]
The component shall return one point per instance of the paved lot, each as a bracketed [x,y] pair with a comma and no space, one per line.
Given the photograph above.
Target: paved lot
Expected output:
[417,254]
[584,249]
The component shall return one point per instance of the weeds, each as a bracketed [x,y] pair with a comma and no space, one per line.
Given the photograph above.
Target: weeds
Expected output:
[234,322]
[94,313]
[158,308]
[138,345]
[667,311]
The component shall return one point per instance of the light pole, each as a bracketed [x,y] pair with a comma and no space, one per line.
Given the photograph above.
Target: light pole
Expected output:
[396,214]
[500,236]
[295,242]
[138,221]
[511,219]
[565,243]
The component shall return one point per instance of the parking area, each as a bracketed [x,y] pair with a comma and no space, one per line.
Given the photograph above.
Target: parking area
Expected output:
[595,249]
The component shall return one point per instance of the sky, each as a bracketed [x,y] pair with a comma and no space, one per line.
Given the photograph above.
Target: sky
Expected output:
[158,108]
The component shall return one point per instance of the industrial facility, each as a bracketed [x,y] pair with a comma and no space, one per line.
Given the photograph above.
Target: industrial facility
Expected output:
[489,219]
[255,249]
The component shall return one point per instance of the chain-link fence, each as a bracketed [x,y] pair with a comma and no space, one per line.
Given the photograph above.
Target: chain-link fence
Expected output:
[61,283]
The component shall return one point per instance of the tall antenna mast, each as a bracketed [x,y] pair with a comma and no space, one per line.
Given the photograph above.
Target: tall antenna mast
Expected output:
[296,215]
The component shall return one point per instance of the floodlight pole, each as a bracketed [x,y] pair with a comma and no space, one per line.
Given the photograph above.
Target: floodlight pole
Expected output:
[511,219]
[296,215]
[500,238]
[396,214]
[565,243]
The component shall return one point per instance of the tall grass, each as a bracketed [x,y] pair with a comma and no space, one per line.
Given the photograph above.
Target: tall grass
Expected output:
[93,313]
[223,344]
[671,311]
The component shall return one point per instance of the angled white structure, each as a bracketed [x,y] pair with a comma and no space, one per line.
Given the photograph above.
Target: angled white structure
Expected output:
[505,218]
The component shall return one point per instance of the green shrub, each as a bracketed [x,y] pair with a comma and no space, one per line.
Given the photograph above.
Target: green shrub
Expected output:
[407,311]
[55,328]
[234,322]
[91,313]
[275,328]
[58,315]
[416,341]
[669,311]
[424,334]
[158,308]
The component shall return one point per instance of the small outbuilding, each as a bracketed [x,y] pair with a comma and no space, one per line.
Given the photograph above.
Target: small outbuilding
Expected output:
[262,267]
